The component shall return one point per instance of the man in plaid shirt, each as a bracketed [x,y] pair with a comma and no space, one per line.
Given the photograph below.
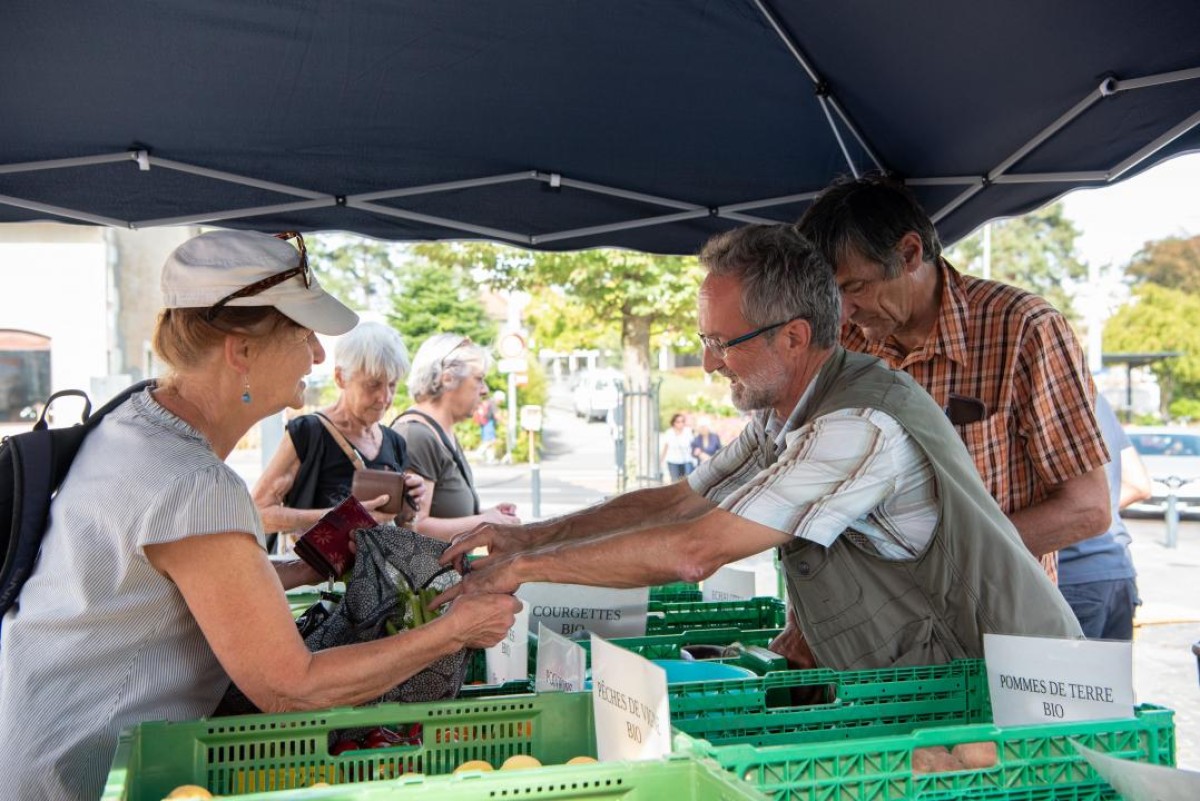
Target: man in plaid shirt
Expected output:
[1002,362]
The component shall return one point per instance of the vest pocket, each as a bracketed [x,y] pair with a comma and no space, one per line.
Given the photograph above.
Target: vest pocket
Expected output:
[821,598]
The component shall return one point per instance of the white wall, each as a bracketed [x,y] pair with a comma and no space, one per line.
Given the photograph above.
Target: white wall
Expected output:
[59,290]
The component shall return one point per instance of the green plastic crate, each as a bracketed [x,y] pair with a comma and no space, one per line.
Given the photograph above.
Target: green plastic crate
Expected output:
[259,753]
[688,618]
[669,646]
[676,591]
[861,703]
[676,779]
[1034,762]
[750,613]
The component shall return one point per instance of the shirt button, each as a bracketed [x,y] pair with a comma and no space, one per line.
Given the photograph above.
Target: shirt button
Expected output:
[803,569]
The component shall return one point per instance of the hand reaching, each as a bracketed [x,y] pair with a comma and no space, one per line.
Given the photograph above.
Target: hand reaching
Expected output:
[482,620]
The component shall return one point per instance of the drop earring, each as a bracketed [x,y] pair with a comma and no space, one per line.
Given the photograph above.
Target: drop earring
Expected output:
[246,392]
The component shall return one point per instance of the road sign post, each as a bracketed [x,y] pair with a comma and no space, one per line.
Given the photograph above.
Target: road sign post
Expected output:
[512,361]
[531,421]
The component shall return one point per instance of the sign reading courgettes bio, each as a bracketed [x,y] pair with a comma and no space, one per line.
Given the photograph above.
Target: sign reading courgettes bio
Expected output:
[1037,680]
[629,704]
[570,609]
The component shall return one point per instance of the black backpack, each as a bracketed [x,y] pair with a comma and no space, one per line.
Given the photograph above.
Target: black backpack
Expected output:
[32,467]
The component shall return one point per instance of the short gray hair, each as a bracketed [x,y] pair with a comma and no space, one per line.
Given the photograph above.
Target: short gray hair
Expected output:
[444,355]
[373,349]
[783,275]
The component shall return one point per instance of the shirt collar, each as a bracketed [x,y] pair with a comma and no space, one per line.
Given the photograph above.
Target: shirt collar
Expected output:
[778,430]
[949,334]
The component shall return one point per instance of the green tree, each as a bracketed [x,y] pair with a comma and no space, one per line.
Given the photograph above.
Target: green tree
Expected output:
[1173,262]
[1160,319]
[361,272]
[434,299]
[1035,251]
[642,293]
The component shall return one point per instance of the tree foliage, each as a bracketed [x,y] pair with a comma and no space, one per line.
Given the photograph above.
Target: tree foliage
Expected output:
[1173,262]
[1035,251]
[361,272]
[1159,319]
[643,294]
[434,300]
[418,297]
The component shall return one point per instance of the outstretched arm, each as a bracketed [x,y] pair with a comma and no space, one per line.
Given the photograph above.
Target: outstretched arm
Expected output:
[681,551]
[674,503]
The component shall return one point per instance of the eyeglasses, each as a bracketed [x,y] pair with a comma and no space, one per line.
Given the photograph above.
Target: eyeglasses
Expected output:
[462,343]
[300,269]
[718,348]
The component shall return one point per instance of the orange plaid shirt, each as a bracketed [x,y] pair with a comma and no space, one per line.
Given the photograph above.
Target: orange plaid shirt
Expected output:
[1016,353]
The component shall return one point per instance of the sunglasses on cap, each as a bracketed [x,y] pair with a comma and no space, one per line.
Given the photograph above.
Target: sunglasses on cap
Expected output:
[300,269]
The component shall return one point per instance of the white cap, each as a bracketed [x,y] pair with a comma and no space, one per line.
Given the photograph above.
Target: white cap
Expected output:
[214,265]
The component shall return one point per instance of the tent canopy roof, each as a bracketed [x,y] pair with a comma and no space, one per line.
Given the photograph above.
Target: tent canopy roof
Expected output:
[564,124]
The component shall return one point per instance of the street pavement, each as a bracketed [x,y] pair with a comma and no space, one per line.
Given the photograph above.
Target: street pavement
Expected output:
[578,470]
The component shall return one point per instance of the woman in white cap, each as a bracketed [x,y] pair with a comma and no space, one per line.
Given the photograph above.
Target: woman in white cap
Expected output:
[153,589]
[313,469]
[446,384]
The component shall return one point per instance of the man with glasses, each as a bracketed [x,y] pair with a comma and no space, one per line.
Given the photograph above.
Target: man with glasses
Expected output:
[894,552]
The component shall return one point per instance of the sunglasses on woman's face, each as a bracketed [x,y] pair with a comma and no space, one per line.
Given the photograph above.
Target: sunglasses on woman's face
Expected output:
[300,269]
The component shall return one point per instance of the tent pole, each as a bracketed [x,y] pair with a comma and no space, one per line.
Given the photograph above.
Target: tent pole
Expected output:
[229,177]
[1150,149]
[822,88]
[621,226]
[448,186]
[59,211]
[454,225]
[231,214]
[57,164]
[838,136]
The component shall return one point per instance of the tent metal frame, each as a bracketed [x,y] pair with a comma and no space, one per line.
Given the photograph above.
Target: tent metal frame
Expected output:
[680,210]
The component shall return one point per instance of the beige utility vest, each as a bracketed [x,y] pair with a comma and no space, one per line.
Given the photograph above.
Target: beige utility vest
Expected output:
[859,610]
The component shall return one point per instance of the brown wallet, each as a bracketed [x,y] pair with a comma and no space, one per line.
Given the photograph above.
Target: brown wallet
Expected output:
[369,484]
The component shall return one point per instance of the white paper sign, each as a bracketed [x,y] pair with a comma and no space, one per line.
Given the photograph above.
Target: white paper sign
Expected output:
[570,608]
[629,703]
[508,660]
[1035,680]
[1137,781]
[561,663]
[730,583]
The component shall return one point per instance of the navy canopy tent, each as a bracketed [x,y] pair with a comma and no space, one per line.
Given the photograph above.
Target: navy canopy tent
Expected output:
[563,124]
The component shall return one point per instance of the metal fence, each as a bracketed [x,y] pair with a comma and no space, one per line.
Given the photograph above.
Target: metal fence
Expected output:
[636,420]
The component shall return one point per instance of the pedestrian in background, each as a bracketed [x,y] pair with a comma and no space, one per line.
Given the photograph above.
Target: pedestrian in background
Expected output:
[677,448]
[1096,576]
[706,442]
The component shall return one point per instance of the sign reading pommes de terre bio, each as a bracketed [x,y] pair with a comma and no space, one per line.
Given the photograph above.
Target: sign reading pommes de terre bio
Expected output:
[1037,680]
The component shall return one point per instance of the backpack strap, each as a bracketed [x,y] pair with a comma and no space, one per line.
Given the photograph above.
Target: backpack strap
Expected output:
[32,467]
[454,453]
[351,452]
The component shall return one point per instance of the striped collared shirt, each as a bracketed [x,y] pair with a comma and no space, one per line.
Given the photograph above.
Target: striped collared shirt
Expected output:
[1016,354]
[853,469]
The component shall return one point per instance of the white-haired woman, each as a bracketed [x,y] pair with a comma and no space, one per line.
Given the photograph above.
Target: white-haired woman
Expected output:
[153,589]
[446,384]
[314,466]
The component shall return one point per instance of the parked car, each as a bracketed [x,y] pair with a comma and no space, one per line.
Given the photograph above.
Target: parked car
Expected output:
[1172,458]
[595,393]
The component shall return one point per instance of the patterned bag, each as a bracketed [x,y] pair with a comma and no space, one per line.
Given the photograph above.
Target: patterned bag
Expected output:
[391,567]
